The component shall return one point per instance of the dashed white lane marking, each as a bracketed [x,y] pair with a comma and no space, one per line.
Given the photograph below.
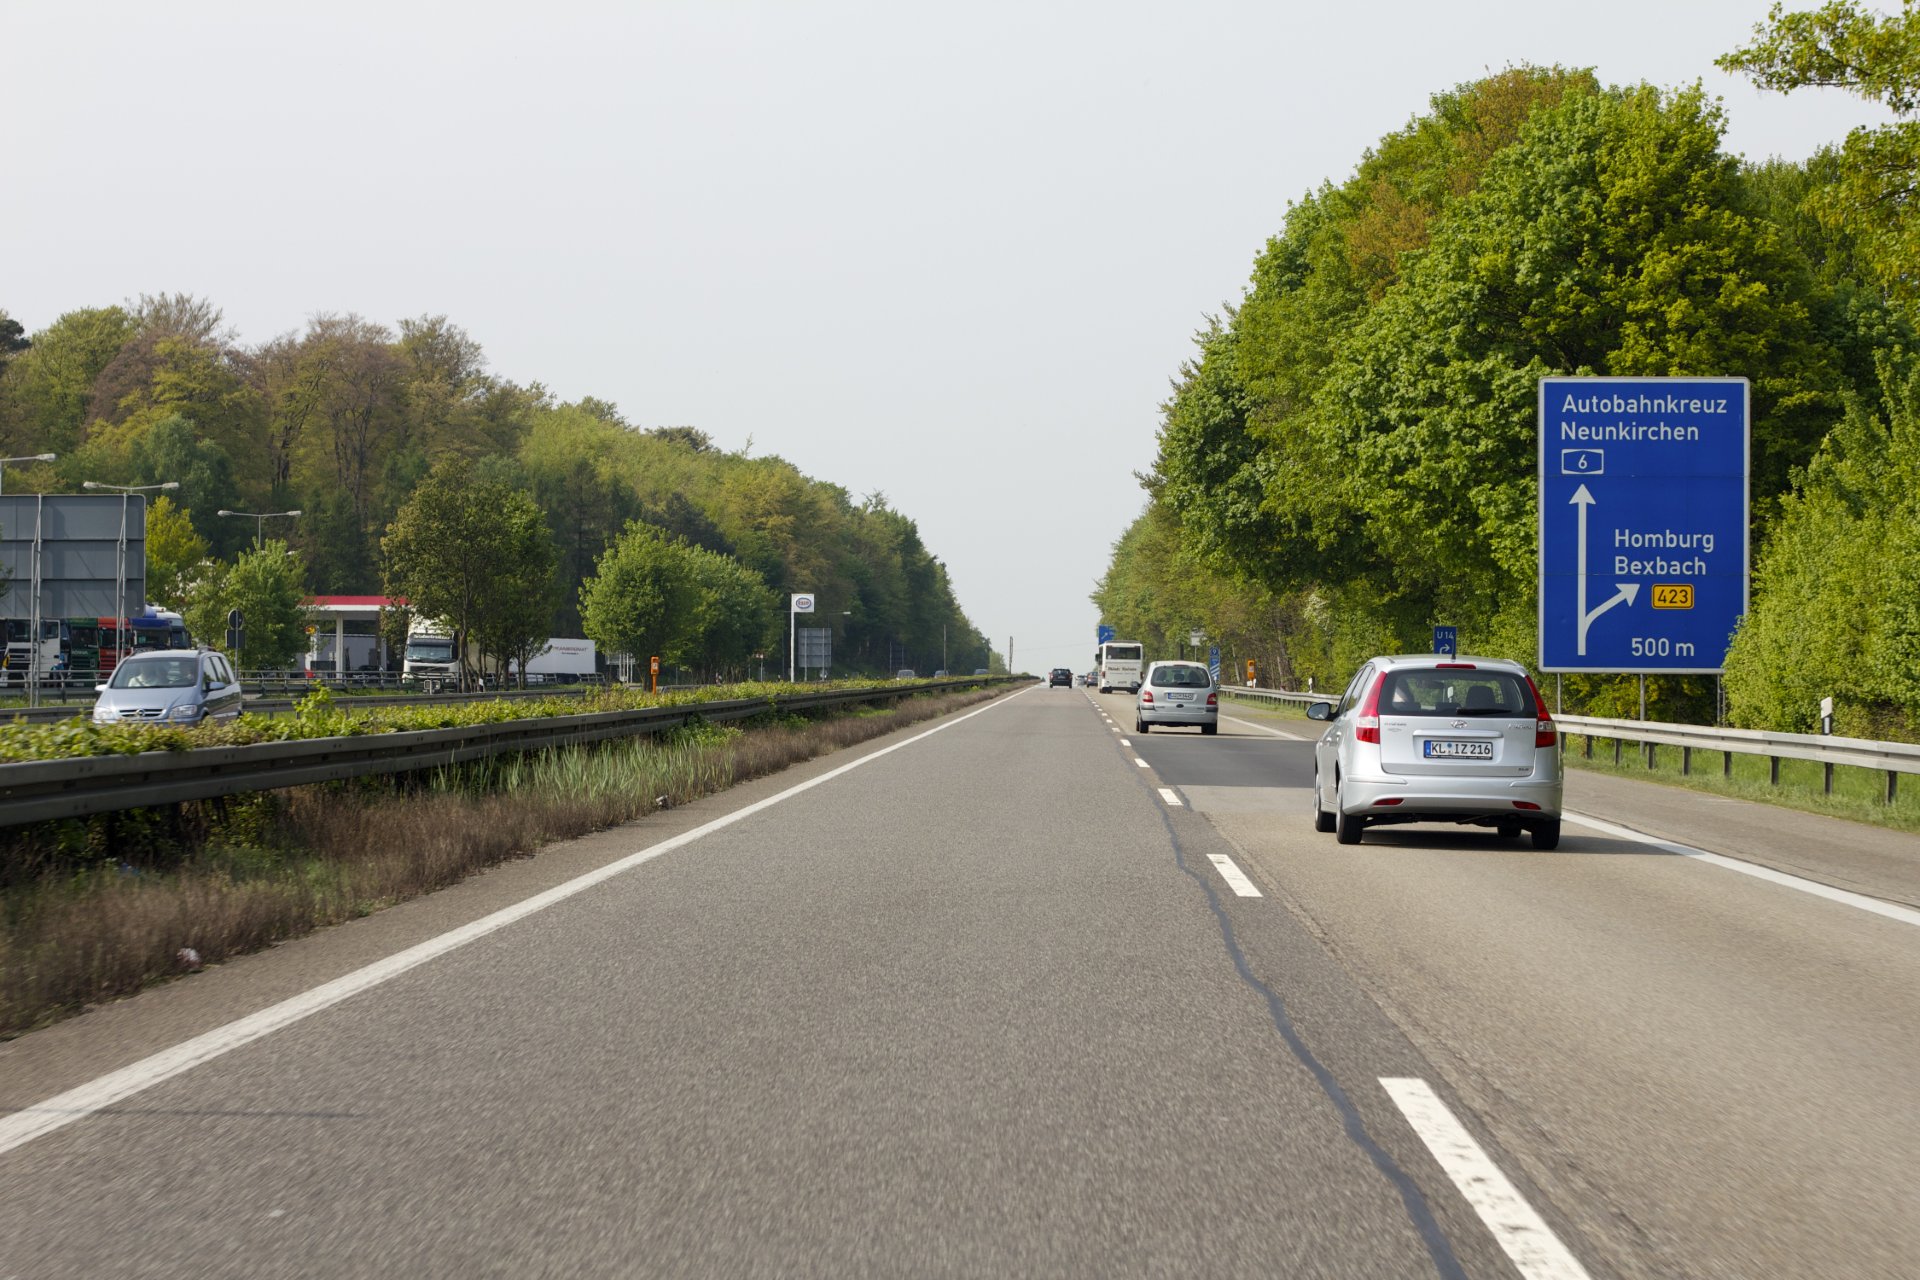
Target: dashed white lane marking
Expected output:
[1142,763]
[63,1109]
[1126,742]
[1230,872]
[1892,911]
[1167,794]
[1536,1252]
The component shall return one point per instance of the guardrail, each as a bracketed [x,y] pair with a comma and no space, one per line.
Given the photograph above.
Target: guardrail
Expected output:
[74,787]
[1891,758]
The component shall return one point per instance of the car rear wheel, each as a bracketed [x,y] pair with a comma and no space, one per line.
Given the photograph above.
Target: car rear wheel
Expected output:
[1139,725]
[1346,827]
[1209,729]
[1546,836]
[1322,820]
[1508,830]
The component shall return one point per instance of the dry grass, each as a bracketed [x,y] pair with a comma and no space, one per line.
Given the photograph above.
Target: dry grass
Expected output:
[279,866]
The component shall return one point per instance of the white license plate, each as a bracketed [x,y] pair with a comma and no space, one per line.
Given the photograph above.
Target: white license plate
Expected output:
[1441,749]
[1180,697]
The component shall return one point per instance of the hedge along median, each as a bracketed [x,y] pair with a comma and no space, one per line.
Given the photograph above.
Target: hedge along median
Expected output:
[98,907]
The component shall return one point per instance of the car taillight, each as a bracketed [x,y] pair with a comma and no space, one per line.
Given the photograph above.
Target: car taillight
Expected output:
[1366,726]
[1213,700]
[1544,734]
[1146,695]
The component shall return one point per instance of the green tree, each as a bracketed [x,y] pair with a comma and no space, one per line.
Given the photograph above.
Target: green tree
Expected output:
[173,552]
[13,340]
[1843,45]
[48,391]
[733,607]
[1837,590]
[1611,239]
[462,549]
[268,586]
[643,597]
[514,625]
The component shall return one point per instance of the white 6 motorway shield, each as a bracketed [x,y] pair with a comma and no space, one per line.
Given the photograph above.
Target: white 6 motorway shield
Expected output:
[1643,522]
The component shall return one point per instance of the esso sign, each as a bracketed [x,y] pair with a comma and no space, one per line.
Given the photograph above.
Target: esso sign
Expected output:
[803,604]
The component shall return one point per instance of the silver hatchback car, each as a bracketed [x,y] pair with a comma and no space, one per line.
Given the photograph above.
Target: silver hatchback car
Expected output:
[169,686]
[1431,738]
[1177,693]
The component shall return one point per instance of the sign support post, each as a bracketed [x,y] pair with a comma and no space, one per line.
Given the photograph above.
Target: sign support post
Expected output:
[798,603]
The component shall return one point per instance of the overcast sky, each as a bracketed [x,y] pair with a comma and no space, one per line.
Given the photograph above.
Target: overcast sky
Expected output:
[947,253]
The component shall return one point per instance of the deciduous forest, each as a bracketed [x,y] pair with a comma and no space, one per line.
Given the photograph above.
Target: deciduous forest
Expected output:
[348,419]
[1349,456]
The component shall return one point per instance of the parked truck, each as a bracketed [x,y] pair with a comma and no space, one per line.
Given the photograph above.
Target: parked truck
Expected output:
[563,660]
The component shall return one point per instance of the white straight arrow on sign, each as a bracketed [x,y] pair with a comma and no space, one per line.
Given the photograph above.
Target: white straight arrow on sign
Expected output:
[1583,499]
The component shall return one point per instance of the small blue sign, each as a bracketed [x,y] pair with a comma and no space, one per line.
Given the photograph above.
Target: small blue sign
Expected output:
[1102,634]
[1447,640]
[1643,522]
[1213,663]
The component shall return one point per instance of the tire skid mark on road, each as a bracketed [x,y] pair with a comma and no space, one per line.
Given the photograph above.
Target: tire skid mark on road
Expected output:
[1419,1212]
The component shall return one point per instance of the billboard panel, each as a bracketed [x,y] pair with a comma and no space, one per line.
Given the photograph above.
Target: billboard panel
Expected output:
[73,546]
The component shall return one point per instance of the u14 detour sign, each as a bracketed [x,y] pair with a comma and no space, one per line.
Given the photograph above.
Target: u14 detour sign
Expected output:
[1643,522]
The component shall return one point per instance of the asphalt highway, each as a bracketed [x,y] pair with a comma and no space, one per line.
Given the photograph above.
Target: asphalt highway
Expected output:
[1018,993]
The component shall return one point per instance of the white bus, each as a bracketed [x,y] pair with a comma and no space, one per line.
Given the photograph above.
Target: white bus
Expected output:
[1117,665]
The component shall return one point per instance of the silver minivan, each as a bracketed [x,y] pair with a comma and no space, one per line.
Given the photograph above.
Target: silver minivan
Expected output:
[1177,693]
[1432,738]
[169,686]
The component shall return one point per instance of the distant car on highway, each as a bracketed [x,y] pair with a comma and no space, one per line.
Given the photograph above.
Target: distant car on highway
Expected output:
[1432,738]
[1177,693]
[1059,676]
[905,673]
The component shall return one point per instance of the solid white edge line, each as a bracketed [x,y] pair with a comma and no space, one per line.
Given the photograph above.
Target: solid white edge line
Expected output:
[1860,901]
[1167,794]
[1261,728]
[63,1109]
[1524,1236]
[1230,872]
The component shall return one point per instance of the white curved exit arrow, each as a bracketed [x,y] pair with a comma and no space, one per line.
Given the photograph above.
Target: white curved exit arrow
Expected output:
[1627,592]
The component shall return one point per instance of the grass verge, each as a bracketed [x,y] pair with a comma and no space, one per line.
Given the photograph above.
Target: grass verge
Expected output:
[110,904]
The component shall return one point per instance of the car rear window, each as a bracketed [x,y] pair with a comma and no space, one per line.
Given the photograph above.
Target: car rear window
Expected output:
[1181,678]
[1455,693]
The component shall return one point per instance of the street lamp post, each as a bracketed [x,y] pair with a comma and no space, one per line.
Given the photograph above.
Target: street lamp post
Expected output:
[120,560]
[259,519]
[32,457]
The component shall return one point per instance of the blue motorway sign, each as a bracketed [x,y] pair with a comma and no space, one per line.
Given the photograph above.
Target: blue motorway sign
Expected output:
[1643,522]
[1102,634]
[1213,662]
[1447,640]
